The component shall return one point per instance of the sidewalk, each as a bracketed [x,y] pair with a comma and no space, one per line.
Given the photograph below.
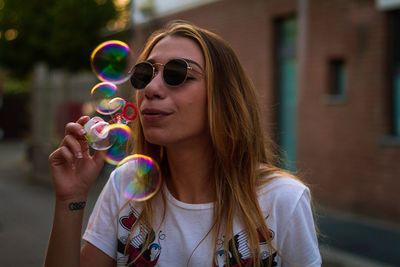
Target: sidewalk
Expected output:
[358,240]
[26,210]
[26,215]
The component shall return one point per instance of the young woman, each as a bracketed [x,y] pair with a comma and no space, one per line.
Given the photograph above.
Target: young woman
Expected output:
[222,203]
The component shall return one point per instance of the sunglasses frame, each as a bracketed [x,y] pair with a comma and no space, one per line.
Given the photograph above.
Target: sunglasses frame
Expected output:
[155,71]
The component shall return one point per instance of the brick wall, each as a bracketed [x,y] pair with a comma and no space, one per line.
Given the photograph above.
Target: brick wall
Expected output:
[340,145]
[340,149]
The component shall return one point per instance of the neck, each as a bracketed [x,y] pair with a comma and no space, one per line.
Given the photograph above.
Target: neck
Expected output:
[190,180]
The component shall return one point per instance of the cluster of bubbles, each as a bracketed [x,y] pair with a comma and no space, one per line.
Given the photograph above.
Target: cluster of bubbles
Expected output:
[111,62]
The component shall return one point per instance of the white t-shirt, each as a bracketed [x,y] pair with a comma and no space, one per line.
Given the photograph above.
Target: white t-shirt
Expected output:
[182,240]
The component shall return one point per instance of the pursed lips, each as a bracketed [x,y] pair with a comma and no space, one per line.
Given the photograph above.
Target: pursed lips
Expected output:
[154,114]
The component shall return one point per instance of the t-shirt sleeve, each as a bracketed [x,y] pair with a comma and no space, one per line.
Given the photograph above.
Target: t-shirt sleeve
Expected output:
[102,226]
[300,244]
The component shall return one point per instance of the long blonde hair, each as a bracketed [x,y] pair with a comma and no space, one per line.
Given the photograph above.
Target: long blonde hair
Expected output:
[243,156]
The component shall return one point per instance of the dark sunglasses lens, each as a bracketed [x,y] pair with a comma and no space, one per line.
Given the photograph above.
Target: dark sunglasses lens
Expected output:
[175,72]
[142,75]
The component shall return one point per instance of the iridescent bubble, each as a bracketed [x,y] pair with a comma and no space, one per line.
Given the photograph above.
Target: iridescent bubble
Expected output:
[116,104]
[120,134]
[144,175]
[102,94]
[115,107]
[98,134]
[111,61]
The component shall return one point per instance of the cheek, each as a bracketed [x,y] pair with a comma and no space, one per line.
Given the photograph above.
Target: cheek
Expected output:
[199,108]
[139,97]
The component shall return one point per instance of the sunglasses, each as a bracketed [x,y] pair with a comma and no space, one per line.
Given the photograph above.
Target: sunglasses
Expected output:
[175,72]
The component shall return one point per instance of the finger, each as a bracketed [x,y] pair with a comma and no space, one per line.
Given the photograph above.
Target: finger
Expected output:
[98,157]
[74,128]
[73,145]
[85,147]
[60,156]
[82,120]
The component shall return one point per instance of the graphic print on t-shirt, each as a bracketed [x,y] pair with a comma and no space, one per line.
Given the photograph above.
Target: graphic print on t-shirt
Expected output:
[240,242]
[136,241]
[129,255]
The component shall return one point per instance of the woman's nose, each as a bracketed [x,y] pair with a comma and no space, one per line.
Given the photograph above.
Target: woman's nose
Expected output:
[155,88]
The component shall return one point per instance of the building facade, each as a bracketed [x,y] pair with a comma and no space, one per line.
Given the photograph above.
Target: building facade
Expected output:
[327,74]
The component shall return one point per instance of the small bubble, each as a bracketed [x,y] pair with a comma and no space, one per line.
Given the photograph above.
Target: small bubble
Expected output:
[98,134]
[102,95]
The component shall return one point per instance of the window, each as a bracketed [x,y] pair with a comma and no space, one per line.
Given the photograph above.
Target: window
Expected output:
[286,88]
[395,129]
[394,82]
[392,104]
[337,80]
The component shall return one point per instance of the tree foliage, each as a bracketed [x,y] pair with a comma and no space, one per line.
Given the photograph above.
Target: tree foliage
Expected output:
[62,33]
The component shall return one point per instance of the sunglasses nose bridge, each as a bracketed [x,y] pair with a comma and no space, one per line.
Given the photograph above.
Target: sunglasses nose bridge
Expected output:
[157,78]
[157,72]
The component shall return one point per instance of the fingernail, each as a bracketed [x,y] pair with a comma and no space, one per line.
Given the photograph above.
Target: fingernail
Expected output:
[82,131]
[79,155]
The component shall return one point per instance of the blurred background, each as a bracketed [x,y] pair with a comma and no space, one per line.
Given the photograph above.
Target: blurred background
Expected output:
[328,75]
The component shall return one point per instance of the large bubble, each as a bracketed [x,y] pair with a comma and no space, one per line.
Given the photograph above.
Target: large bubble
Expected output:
[143,174]
[111,61]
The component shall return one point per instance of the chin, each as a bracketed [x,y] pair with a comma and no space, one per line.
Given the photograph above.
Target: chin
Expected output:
[156,139]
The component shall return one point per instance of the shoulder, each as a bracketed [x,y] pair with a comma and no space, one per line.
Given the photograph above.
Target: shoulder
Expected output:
[286,203]
[282,193]
[281,184]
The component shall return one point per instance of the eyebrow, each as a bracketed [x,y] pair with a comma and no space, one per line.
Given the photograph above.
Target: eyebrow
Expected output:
[194,62]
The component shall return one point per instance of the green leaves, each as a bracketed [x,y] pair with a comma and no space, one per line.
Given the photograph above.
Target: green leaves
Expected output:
[62,33]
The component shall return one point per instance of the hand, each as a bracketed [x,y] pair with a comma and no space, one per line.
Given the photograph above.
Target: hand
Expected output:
[74,169]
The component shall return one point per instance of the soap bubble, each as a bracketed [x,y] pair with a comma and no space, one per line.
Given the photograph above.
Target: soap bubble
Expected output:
[120,134]
[116,104]
[98,134]
[143,174]
[102,97]
[111,61]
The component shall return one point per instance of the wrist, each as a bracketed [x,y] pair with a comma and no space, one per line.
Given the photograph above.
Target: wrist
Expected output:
[75,196]
[72,203]
[71,206]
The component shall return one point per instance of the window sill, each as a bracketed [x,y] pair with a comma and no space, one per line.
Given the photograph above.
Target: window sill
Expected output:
[390,140]
[334,100]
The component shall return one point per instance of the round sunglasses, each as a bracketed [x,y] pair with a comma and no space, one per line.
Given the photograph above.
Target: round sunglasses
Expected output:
[175,72]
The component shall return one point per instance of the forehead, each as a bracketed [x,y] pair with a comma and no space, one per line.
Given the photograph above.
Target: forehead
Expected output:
[176,47]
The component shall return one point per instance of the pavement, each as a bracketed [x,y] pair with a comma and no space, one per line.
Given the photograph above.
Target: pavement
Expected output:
[26,209]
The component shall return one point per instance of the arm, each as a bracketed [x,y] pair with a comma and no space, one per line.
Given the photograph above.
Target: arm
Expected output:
[64,245]
[74,170]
